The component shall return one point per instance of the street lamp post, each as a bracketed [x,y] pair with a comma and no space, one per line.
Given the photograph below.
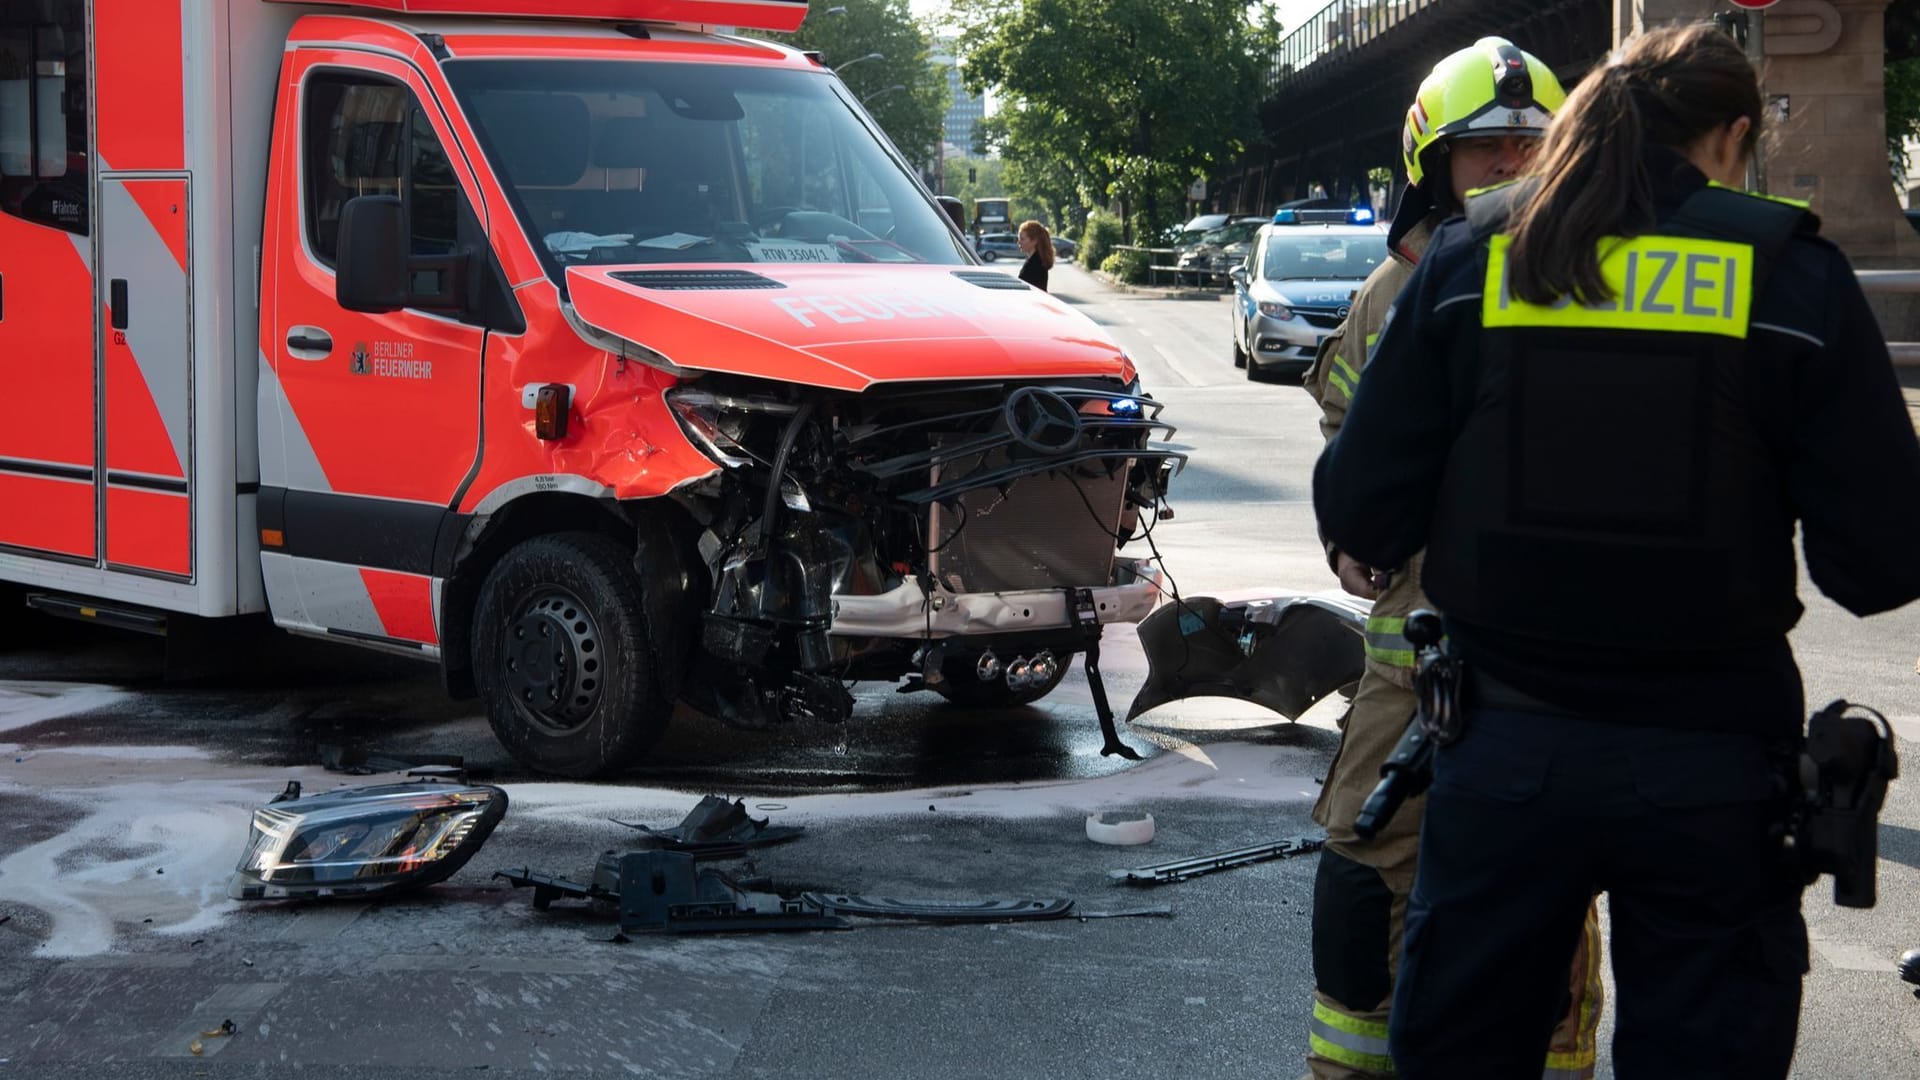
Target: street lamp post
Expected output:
[859,59]
[878,94]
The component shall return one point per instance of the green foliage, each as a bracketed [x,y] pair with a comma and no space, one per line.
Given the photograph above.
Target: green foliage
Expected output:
[1903,113]
[912,117]
[1903,82]
[1127,266]
[1122,101]
[1102,232]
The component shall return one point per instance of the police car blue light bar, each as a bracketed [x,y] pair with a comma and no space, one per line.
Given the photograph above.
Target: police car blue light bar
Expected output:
[1356,215]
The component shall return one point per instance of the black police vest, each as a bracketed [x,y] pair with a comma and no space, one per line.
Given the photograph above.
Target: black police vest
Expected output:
[1611,484]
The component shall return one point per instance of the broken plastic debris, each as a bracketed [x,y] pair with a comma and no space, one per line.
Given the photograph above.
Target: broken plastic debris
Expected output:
[225,1029]
[716,827]
[195,1048]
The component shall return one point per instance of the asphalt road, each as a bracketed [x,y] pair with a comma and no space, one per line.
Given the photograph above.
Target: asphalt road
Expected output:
[123,803]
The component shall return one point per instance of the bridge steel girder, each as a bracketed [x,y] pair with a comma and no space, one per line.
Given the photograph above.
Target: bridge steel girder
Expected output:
[1341,115]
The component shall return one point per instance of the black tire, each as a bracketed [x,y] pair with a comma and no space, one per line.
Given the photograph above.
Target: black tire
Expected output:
[595,707]
[989,255]
[1253,371]
[1239,354]
[962,687]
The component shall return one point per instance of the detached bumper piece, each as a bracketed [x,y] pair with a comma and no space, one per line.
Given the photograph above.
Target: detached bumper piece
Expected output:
[1182,869]
[718,829]
[665,892]
[364,841]
[1283,652]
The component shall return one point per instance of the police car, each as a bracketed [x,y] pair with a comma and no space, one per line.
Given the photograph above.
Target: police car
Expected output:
[1297,284]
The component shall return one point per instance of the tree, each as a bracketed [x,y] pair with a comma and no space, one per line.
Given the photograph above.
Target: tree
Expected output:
[911,116]
[1127,100]
[1902,81]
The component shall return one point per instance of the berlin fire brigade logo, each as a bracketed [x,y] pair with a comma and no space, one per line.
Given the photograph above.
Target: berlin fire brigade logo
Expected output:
[359,358]
[1516,118]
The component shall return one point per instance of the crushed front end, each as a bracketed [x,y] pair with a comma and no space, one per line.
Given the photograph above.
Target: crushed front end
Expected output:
[966,535]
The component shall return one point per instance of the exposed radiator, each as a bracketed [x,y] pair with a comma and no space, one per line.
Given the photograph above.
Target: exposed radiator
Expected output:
[1040,534]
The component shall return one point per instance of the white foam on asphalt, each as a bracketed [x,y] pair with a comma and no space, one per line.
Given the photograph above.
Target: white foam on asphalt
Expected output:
[140,846]
[26,703]
[1233,771]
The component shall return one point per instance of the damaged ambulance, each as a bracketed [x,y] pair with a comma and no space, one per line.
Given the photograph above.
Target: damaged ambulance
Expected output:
[606,359]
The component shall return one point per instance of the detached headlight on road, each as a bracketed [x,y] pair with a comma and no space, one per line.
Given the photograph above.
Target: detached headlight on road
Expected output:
[363,841]
[1275,310]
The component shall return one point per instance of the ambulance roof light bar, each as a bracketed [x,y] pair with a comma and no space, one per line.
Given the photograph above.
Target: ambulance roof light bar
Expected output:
[778,15]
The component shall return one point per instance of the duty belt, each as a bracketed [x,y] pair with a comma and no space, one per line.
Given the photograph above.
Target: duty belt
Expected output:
[1483,691]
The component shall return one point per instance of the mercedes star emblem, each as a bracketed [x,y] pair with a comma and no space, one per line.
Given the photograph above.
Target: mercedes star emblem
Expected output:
[1042,420]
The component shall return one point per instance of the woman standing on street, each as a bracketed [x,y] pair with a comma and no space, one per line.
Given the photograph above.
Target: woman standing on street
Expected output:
[1038,244]
[1623,379]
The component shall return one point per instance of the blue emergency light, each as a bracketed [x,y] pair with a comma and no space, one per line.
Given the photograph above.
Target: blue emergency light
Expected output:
[1358,215]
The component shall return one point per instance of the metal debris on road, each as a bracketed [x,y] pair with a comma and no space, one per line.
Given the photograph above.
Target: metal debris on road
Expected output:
[664,891]
[1182,869]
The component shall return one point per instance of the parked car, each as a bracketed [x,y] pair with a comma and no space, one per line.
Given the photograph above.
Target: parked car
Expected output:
[1219,250]
[1294,288]
[993,245]
[1065,248]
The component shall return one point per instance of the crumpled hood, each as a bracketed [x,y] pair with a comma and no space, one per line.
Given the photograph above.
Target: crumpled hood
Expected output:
[844,326]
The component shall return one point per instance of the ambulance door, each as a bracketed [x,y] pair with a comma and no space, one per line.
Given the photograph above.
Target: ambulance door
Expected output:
[146,260]
[48,435]
[148,432]
[379,414]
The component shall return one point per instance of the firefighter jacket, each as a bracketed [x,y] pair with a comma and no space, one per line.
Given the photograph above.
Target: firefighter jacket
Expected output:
[1607,491]
[1332,380]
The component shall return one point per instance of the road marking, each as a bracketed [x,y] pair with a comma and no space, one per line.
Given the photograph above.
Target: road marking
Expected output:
[1850,956]
[512,965]
[324,924]
[237,1002]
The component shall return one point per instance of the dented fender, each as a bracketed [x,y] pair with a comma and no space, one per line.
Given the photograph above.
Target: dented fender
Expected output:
[1284,652]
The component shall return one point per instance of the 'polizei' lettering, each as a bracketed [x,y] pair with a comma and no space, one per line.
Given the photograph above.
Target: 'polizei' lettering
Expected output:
[1666,284]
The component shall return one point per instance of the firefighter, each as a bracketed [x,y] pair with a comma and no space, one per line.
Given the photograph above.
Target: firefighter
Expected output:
[1475,122]
[1600,405]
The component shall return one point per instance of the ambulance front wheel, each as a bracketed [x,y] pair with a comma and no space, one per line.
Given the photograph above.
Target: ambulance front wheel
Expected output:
[562,659]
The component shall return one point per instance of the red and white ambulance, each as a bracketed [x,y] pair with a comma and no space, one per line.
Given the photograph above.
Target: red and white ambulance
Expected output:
[599,354]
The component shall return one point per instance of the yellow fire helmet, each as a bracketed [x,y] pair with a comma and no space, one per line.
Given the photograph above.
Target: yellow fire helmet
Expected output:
[1491,88]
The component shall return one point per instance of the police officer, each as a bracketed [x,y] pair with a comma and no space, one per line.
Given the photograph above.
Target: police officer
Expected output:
[1601,405]
[1475,122]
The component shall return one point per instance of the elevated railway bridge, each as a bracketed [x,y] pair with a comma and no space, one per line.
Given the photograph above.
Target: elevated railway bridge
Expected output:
[1337,91]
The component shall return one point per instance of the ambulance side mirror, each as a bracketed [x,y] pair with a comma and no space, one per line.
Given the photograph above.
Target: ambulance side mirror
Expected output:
[375,273]
[955,209]
[370,272]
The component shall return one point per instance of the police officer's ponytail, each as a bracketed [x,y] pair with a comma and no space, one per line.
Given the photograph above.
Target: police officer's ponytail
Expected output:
[1667,87]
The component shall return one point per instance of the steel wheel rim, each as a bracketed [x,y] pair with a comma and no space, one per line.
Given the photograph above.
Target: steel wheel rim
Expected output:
[553,661]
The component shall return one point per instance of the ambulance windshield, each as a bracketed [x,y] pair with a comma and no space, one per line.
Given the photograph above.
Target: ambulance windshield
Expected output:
[640,162]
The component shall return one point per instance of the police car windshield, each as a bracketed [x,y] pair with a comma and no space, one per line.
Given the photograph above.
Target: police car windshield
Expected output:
[1314,255]
[639,162]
